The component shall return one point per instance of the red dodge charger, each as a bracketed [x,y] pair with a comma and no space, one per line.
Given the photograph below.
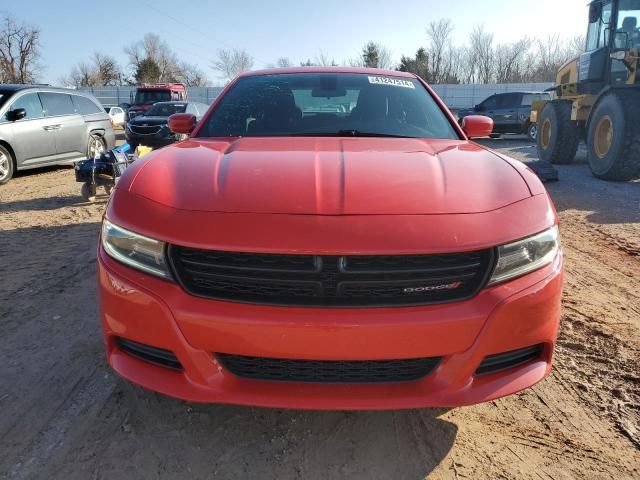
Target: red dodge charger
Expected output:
[330,239]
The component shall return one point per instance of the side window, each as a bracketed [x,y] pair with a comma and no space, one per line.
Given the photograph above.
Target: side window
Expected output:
[509,100]
[527,99]
[31,103]
[605,20]
[57,103]
[592,36]
[490,103]
[84,105]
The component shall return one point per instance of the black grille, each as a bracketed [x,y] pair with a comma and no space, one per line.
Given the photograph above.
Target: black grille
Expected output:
[328,371]
[159,356]
[145,130]
[514,358]
[328,280]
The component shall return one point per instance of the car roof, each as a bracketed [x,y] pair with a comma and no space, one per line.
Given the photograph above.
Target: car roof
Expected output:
[42,87]
[367,71]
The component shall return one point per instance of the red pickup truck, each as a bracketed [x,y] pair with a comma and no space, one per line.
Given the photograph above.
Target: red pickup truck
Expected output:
[149,93]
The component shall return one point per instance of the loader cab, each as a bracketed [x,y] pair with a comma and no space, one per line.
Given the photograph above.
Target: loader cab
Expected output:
[613,27]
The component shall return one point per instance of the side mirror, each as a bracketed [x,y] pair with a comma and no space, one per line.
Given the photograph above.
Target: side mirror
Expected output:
[620,41]
[17,114]
[477,126]
[182,122]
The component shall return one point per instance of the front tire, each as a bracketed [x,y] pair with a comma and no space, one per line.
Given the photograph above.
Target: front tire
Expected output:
[532,132]
[6,165]
[557,135]
[613,138]
[95,146]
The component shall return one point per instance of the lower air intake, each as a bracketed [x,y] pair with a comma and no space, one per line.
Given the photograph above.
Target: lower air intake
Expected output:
[514,358]
[328,371]
[159,356]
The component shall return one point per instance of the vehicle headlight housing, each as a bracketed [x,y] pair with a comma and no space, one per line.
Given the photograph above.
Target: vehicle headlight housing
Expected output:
[524,256]
[135,250]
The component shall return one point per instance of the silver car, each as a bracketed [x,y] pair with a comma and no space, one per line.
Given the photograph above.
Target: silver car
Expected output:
[41,125]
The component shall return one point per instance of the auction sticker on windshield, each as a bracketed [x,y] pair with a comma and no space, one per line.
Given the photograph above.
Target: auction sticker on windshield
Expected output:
[394,82]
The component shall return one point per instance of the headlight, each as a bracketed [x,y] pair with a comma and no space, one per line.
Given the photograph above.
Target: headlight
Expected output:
[135,250]
[524,256]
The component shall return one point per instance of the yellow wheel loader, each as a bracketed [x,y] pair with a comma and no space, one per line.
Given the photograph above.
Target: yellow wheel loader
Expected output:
[597,97]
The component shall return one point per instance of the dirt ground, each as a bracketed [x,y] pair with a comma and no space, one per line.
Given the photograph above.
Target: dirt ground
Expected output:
[64,414]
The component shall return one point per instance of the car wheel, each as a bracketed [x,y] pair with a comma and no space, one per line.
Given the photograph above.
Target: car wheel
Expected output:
[6,165]
[532,131]
[95,146]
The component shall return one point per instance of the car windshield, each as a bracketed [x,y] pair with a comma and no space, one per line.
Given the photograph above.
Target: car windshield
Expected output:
[328,104]
[151,96]
[166,109]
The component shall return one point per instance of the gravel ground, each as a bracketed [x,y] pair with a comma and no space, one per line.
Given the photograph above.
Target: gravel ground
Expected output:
[64,414]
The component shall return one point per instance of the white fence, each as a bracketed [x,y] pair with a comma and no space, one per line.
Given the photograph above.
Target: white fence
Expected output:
[466,96]
[455,96]
[118,95]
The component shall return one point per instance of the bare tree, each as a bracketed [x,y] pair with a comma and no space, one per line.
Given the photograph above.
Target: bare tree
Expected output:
[323,60]
[19,52]
[551,55]
[101,71]
[107,69]
[231,63]
[511,61]
[439,35]
[283,62]
[191,75]
[482,51]
[155,52]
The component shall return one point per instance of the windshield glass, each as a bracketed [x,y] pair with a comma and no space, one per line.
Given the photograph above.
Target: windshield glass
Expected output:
[165,109]
[328,104]
[151,96]
[628,34]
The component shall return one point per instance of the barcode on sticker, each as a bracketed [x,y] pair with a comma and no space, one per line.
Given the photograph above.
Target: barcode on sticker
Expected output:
[394,82]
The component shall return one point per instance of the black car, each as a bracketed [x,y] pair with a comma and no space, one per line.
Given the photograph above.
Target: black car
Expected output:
[151,129]
[510,112]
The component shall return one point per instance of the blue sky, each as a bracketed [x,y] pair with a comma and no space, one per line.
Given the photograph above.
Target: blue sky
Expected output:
[73,29]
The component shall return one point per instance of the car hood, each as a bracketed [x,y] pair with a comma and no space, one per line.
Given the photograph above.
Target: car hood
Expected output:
[143,119]
[327,176]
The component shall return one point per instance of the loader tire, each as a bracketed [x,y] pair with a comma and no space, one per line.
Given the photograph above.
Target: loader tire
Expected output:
[558,136]
[613,139]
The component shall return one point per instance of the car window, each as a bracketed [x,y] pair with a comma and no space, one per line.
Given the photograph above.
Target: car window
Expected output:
[57,103]
[490,103]
[328,104]
[529,98]
[31,103]
[84,105]
[509,100]
[116,110]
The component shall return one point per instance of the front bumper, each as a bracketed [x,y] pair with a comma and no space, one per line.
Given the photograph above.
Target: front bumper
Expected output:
[517,314]
[153,140]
